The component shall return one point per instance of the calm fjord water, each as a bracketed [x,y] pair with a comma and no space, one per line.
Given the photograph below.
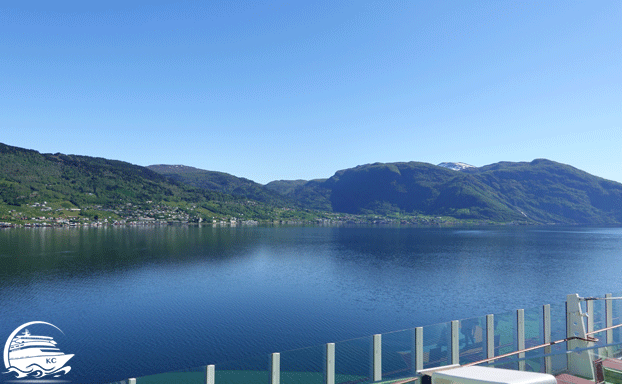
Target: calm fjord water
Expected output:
[134,301]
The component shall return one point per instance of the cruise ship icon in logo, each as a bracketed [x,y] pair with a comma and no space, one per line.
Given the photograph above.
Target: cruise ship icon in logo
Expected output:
[28,355]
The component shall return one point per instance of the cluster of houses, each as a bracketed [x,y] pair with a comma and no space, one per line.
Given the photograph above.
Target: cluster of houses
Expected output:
[123,214]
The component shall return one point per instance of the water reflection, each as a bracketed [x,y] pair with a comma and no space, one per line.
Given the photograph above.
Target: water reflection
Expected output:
[142,300]
[82,252]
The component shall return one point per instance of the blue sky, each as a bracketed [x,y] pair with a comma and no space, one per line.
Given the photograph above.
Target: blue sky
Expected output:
[299,90]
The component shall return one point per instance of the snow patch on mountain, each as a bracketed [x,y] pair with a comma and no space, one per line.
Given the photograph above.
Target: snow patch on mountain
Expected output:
[456,166]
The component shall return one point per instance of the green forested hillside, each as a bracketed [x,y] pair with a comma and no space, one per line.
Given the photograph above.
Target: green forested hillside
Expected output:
[222,182]
[29,178]
[285,187]
[552,192]
[541,191]
[416,188]
[314,194]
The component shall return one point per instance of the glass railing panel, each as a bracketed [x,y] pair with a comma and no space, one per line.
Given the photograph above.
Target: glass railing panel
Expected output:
[253,370]
[398,354]
[506,341]
[616,309]
[512,363]
[472,339]
[303,365]
[436,345]
[599,316]
[558,321]
[505,333]
[353,360]
[534,336]
[534,328]
[534,364]
[558,332]
[189,376]
[599,321]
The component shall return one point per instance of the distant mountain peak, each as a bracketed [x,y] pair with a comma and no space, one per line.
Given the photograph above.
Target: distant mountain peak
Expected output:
[456,166]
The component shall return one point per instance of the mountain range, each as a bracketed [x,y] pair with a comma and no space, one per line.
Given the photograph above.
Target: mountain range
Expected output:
[540,191]
[536,192]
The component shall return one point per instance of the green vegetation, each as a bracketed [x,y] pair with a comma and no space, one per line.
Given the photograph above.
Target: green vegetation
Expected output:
[68,189]
[224,183]
[538,192]
[312,194]
[56,188]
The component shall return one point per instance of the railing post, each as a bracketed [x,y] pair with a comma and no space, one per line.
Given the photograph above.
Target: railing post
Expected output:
[275,368]
[546,318]
[589,305]
[418,349]
[490,336]
[329,377]
[455,342]
[377,356]
[210,373]
[520,337]
[609,318]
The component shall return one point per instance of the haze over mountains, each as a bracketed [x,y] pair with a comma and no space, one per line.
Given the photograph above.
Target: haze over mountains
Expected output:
[540,191]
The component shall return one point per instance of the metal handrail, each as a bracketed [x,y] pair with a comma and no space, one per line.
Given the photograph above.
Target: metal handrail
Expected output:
[599,298]
[604,329]
[589,339]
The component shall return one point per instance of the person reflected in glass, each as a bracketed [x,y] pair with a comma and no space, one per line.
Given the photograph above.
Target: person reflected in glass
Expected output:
[467,328]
